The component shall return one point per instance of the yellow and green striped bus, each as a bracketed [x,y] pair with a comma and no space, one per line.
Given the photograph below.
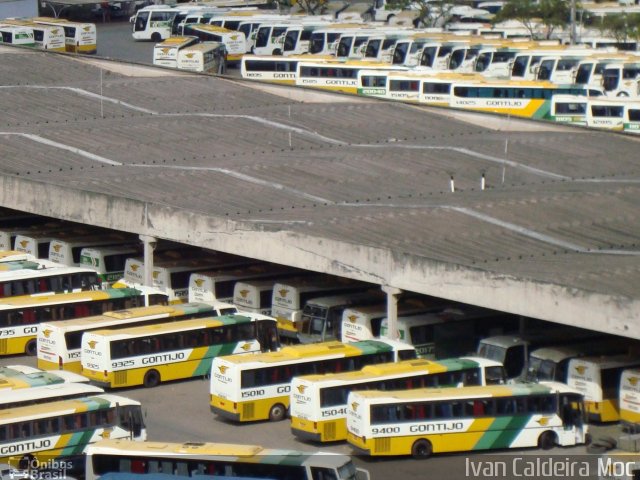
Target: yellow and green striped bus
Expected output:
[425,421]
[59,343]
[150,354]
[62,430]
[20,316]
[14,265]
[319,402]
[257,387]
[213,460]
[18,377]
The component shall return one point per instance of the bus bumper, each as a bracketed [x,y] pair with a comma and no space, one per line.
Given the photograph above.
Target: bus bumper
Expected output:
[306,436]
[225,414]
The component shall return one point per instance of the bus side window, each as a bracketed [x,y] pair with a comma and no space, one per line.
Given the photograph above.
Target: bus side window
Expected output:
[319,473]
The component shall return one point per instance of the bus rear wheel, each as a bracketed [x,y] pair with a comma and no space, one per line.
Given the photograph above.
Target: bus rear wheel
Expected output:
[156,37]
[547,441]
[31,348]
[151,379]
[277,412]
[421,449]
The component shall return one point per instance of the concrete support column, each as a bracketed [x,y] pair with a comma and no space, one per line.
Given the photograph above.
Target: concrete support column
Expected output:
[392,311]
[149,245]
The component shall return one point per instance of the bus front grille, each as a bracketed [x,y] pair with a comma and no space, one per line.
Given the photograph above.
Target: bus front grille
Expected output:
[120,378]
[330,430]
[382,445]
[248,410]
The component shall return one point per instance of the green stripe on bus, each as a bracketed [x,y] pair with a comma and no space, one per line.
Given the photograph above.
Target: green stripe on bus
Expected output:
[503,432]
[204,366]
[371,346]
[122,292]
[458,363]
[77,443]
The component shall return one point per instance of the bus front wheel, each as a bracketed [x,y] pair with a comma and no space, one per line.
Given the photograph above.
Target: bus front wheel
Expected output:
[151,379]
[421,449]
[32,348]
[277,412]
[547,441]
[156,37]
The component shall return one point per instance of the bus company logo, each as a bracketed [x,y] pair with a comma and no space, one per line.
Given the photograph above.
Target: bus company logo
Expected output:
[223,369]
[57,247]
[86,29]
[244,293]
[633,381]
[198,282]
[190,55]
[354,406]
[544,421]
[46,333]
[283,292]
[135,267]
[55,31]
[24,243]
[580,369]
[234,37]
[155,274]
[301,388]
[246,347]
[92,344]
[352,318]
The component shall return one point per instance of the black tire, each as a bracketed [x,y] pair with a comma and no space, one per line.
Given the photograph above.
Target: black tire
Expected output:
[596,448]
[623,94]
[421,449]
[389,18]
[277,413]
[547,440]
[609,442]
[156,37]
[151,379]
[31,348]
[277,51]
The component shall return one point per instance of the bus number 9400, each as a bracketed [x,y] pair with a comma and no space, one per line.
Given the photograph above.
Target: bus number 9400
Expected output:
[385,430]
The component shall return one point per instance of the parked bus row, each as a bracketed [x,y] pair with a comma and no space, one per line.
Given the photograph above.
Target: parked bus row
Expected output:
[51,34]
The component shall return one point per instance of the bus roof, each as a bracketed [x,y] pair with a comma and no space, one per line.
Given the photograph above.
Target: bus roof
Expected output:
[62,407]
[48,392]
[332,349]
[418,365]
[467,392]
[346,299]
[114,317]
[211,28]
[57,298]
[26,273]
[605,362]
[171,41]
[15,255]
[204,46]
[171,327]
[248,453]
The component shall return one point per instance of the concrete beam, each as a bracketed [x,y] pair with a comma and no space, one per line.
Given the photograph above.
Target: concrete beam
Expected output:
[547,301]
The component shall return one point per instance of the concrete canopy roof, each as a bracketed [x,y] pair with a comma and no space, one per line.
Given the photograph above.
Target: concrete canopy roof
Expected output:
[363,191]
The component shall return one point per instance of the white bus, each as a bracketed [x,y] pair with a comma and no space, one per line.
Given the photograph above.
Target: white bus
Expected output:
[205,57]
[324,41]
[629,400]
[67,251]
[364,322]
[257,387]
[322,316]
[165,53]
[214,460]
[425,421]
[569,109]
[62,430]
[297,38]
[153,22]
[12,256]
[234,42]
[60,343]
[606,113]
[319,402]
[621,79]
[46,281]
[108,262]
[256,295]
[46,37]
[16,35]
[47,393]
[217,285]
[269,68]
[172,276]
[598,379]
[290,297]
[78,37]
[270,38]
[632,117]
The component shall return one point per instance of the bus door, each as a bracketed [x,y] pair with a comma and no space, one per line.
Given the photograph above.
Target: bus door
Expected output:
[142,18]
[267,336]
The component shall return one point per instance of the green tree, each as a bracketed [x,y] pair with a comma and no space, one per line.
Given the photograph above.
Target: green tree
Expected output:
[620,26]
[428,13]
[550,14]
